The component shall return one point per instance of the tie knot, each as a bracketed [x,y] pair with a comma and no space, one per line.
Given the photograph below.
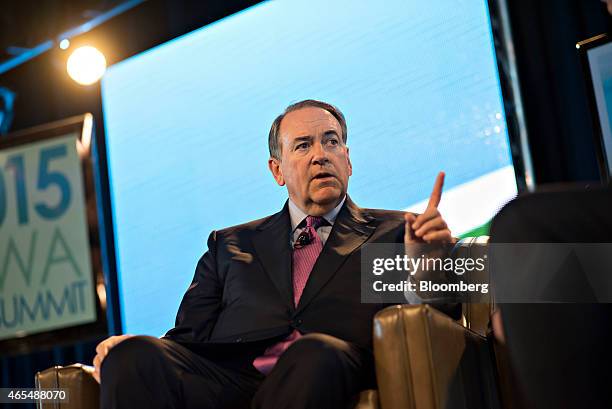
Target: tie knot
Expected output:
[314,221]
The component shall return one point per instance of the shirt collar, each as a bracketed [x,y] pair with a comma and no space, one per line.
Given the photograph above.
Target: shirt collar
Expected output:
[297,215]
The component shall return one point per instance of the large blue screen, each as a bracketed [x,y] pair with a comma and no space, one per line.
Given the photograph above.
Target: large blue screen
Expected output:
[187,122]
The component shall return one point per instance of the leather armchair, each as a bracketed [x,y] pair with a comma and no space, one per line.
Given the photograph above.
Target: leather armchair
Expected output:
[424,360]
[84,392]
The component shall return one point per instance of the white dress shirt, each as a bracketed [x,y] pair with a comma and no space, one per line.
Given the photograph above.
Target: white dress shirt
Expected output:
[297,216]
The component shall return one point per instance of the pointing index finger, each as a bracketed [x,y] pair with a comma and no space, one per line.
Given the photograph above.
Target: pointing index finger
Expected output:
[436,193]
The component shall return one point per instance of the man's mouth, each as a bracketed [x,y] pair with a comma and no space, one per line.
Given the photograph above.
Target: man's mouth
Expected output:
[323,175]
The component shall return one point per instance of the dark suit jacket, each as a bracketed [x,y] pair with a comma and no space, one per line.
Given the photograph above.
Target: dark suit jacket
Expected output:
[242,289]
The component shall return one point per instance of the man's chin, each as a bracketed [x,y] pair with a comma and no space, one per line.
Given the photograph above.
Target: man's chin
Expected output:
[327,195]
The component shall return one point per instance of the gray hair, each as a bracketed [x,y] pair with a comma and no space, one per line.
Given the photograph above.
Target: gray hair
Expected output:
[273,137]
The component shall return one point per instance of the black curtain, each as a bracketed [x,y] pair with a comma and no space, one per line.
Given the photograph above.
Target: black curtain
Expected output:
[557,112]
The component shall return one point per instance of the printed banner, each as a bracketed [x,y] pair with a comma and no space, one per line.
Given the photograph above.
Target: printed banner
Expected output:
[46,279]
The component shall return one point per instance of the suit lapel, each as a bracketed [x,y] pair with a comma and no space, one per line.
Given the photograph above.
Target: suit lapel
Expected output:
[271,243]
[351,229]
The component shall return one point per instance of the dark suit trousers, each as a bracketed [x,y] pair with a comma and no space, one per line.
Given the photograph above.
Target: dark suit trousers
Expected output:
[317,371]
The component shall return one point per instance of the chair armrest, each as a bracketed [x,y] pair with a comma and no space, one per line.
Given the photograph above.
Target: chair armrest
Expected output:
[425,360]
[477,310]
[83,390]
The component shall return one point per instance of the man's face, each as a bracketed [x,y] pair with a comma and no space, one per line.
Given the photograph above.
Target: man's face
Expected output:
[314,162]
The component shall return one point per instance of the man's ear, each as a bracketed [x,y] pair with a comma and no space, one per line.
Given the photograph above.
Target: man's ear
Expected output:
[350,165]
[277,173]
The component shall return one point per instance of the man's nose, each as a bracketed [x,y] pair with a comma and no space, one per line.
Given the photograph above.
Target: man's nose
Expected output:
[319,155]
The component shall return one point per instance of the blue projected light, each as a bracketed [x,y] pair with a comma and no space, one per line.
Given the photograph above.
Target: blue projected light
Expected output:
[187,123]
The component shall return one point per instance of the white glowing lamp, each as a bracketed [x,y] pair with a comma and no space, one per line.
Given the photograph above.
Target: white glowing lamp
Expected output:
[86,65]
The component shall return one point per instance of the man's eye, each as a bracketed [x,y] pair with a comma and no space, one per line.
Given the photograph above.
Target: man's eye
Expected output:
[333,142]
[302,145]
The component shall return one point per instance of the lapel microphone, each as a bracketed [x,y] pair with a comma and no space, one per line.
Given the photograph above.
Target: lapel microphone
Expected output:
[303,239]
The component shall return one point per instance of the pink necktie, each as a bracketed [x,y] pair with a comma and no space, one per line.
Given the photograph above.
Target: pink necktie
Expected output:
[304,258]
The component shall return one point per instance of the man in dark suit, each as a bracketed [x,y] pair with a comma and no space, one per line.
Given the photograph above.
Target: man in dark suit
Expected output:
[273,317]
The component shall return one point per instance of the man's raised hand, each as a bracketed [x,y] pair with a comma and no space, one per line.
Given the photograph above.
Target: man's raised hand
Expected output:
[428,227]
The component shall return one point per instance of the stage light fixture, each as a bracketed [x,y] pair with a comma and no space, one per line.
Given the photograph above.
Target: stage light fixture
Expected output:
[64,44]
[86,65]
